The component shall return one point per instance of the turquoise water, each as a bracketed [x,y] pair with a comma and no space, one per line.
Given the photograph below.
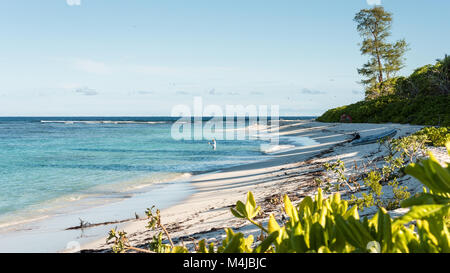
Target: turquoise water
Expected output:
[51,164]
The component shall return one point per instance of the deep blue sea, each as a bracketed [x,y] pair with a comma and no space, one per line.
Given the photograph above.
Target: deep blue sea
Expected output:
[49,164]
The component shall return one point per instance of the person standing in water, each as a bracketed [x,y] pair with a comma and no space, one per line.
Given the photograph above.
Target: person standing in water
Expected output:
[213,144]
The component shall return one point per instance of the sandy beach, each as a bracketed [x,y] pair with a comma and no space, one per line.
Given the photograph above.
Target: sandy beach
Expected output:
[205,213]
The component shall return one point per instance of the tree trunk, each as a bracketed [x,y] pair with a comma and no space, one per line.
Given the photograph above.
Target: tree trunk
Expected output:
[380,66]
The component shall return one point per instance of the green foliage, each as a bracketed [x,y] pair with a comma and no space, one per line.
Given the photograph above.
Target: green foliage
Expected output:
[385,59]
[408,148]
[428,80]
[322,225]
[431,209]
[247,211]
[432,174]
[338,168]
[422,110]
[373,182]
[400,152]
[435,136]
[119,239]
[373,197]
[422,98]
[328,225]
[400,193]
[386,87]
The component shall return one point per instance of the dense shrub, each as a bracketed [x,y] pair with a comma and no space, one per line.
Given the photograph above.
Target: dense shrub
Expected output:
[388,87]
[428,80]
[435,136]
[422,98]
[422,110]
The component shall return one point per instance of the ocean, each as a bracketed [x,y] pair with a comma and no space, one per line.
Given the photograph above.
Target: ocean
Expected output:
[50,166]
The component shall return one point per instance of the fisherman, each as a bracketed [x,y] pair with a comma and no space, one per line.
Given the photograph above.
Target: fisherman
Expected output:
[213,144]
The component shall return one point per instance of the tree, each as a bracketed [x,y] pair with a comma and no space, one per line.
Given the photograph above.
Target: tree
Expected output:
[386,59]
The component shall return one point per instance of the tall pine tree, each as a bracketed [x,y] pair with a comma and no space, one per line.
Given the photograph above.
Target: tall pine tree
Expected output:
[386,59]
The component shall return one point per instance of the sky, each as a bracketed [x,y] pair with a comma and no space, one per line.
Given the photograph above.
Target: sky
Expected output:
[143,57]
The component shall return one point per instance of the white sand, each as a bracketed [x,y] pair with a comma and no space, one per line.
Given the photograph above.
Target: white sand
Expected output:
[207,212]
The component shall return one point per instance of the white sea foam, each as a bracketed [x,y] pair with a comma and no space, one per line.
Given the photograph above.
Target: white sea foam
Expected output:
[103,122]
[287,143]
[274,149]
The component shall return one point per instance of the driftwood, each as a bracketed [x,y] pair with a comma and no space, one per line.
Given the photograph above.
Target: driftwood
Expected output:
[84,224]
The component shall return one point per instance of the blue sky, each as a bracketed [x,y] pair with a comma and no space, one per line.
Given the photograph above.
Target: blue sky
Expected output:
[142,57]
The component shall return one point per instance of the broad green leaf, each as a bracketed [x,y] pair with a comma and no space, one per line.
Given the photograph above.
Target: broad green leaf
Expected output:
[264,245]
[202,246]
[431,174]
[425,199]
[317,238]
[354,232]
[306,204]
[353,211]
[290,209]
[251,199]
[236,213]
[240,207]
[422,212]
[384,230]
[273,225]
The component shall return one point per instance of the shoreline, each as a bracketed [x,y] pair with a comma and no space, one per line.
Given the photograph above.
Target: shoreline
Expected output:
[130,224]
[61,220]
[205,213]
[199,206]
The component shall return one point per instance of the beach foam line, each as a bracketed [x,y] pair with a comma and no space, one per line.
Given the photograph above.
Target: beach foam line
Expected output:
[289,143]
[19,222]
[275,149]
[103,122]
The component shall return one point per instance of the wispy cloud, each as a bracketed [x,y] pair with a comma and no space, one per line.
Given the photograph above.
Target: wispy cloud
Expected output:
[312,92]
[91,66]
[182,93]
[87,91]
[73,2]
[256,93]
[176,72]
[143,92]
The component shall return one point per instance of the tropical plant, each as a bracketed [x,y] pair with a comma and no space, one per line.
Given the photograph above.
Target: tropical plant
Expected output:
[435,136]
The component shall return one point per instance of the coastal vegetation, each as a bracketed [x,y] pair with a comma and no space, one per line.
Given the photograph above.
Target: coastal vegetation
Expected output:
[421,110]
[421,98]
[435,136]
